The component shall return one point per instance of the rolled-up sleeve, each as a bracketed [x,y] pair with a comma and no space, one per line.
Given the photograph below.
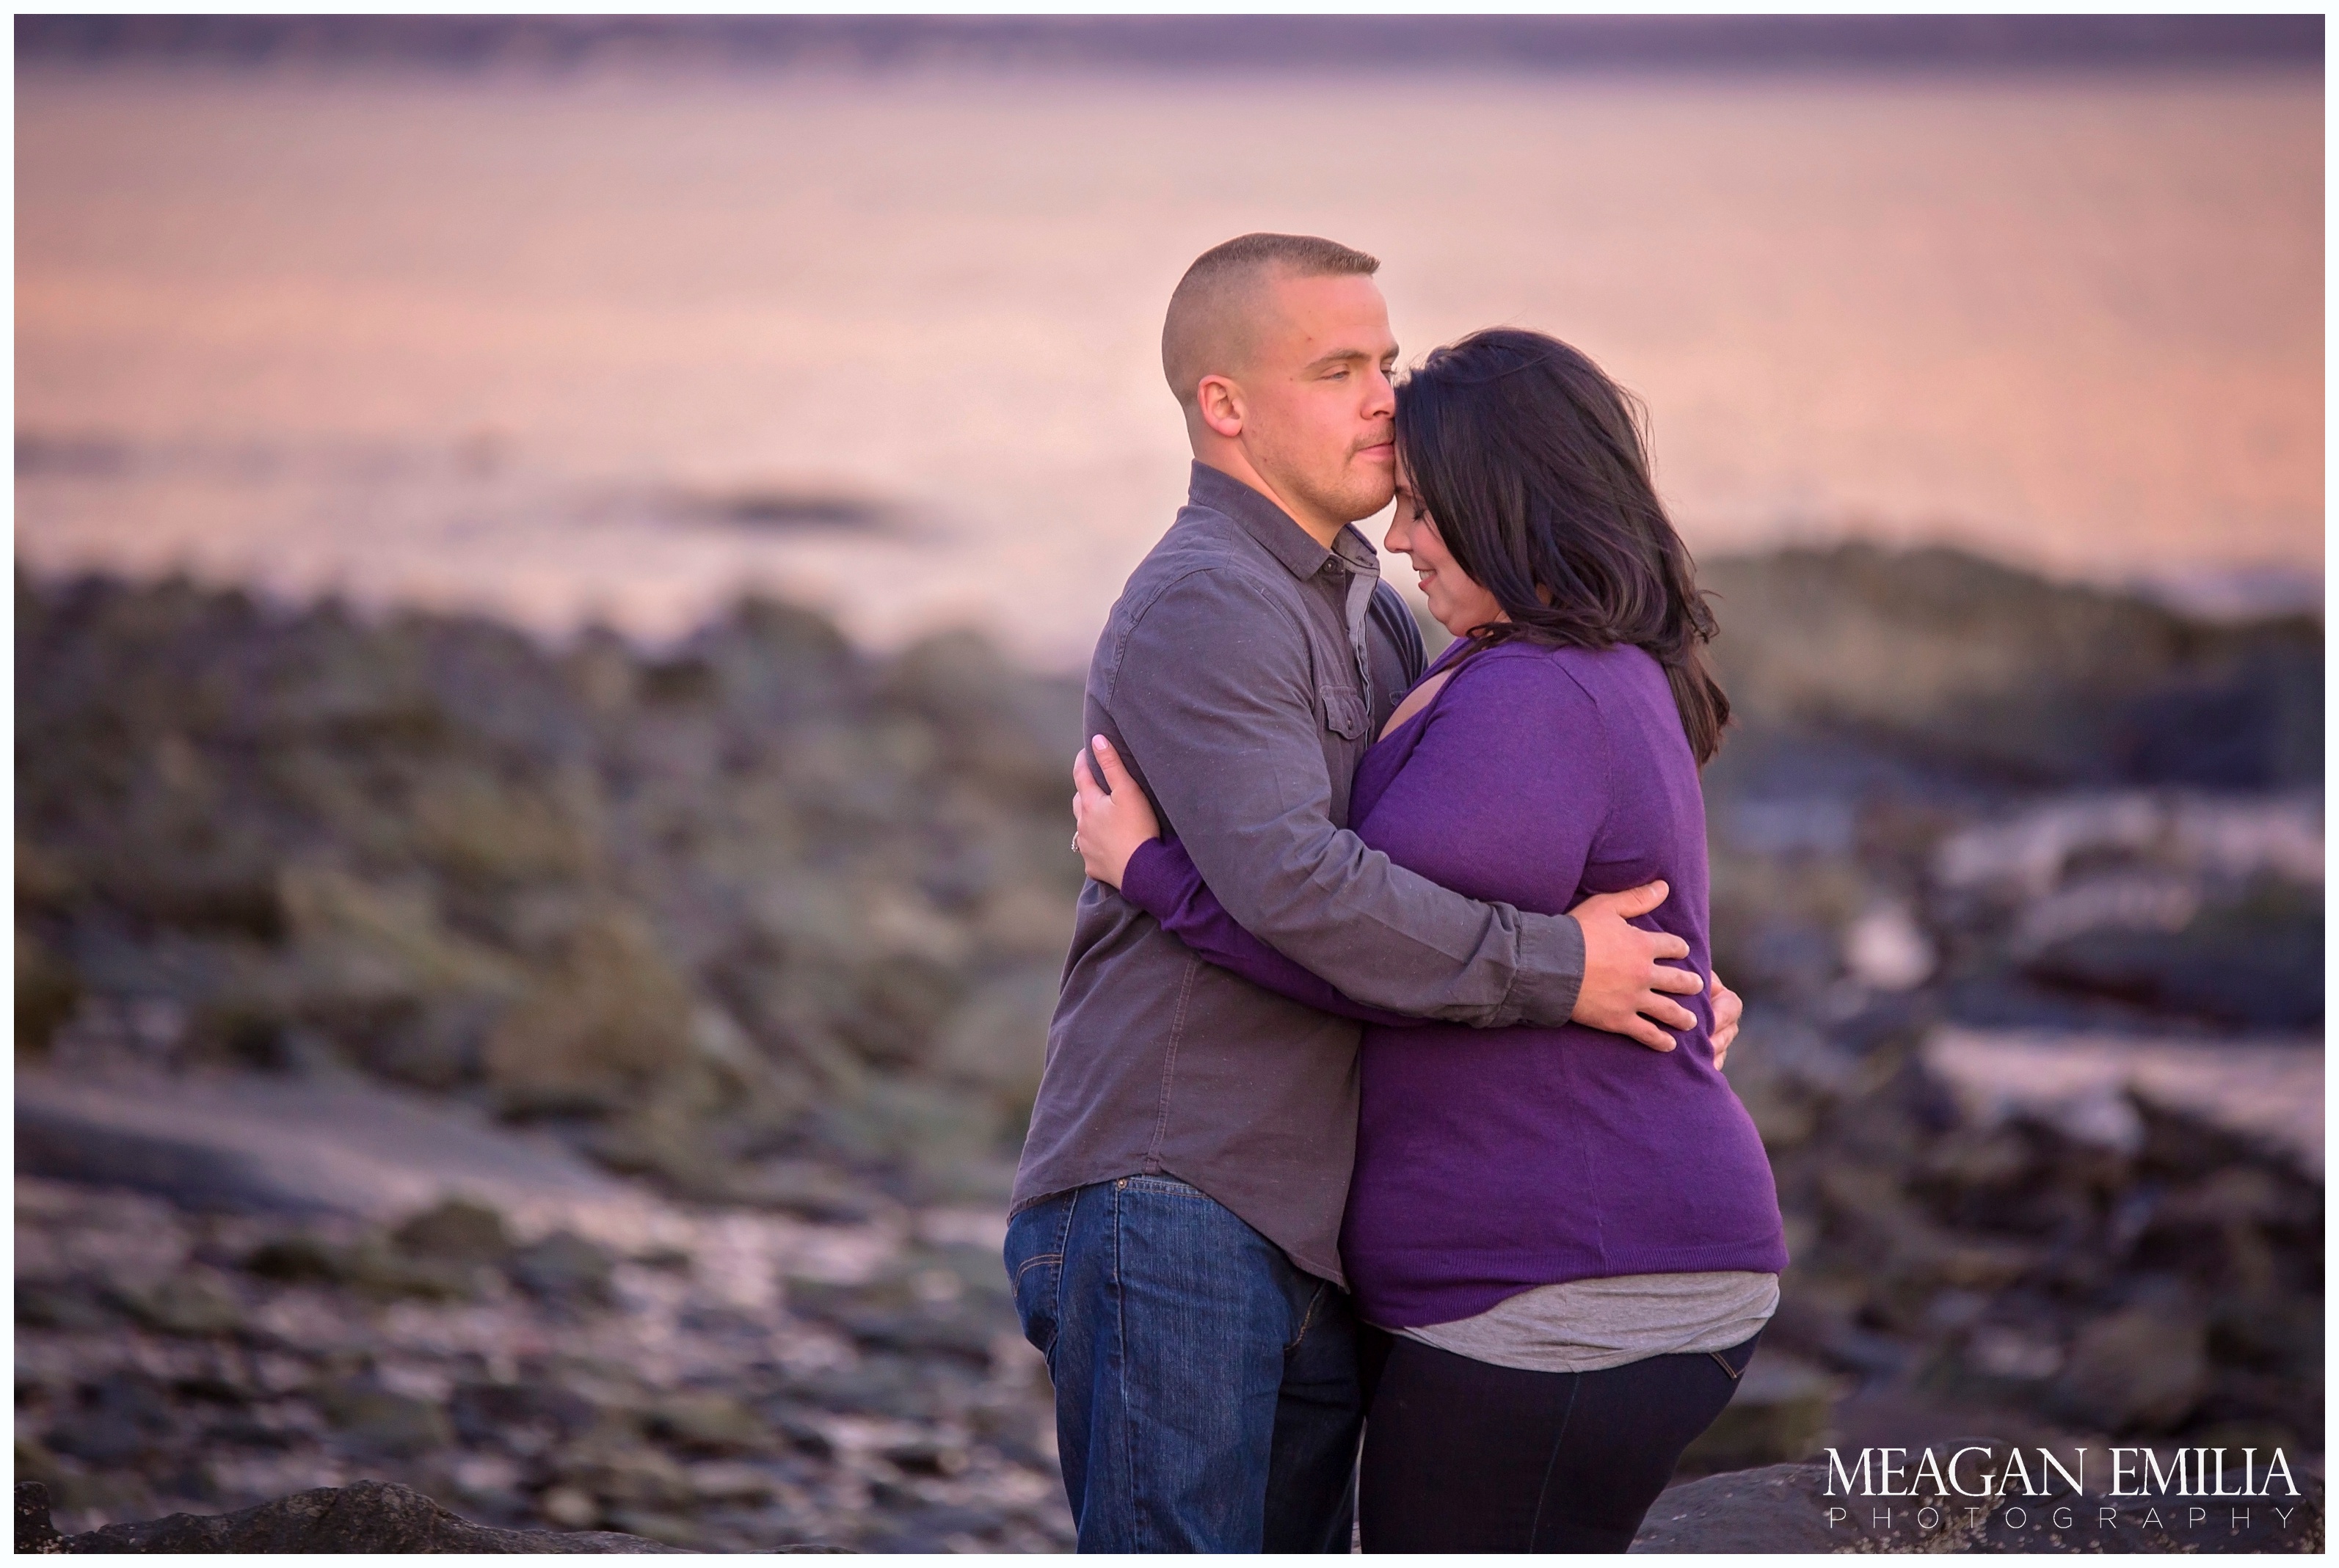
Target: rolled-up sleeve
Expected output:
[1213,698]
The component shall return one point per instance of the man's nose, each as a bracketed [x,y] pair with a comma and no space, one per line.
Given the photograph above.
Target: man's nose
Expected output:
[1383,396]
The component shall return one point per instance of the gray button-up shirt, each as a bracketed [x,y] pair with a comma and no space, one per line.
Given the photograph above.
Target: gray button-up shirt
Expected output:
[1241,676]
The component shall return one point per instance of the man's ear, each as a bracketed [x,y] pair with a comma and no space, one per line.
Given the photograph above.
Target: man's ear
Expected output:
[1219,402]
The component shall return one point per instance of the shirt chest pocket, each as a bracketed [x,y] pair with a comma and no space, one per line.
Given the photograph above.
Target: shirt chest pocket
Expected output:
[1343,711]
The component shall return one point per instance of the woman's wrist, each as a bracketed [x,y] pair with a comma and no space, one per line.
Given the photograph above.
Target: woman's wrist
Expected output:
[1144,880]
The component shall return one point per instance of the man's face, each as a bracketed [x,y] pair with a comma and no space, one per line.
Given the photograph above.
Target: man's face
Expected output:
[1319,415]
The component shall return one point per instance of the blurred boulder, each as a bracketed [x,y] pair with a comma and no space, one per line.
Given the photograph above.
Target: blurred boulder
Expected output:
[708,1423]
[364,940]
[1989,667]
[2104,1091]
[682,896]
[113,1421]
[991,732]
[65,1304]
[951,1141]
[1787,1074]
[614,1017]
[365,1516]
[374,1420]
[370,1266]
[810,1189]
[484,827]
[2140,1369]
[193,1303]
[622,1473]
[922,1307]
[300,1259]
[1778,1508]
[564,1268]
[35,1535]
[536,1413]
[2254,961]
[997,1039]
[47,992]
[455,1230]
[256,1144]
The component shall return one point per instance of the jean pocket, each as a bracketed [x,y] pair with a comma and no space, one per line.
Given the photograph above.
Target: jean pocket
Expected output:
[1035,1266]
[1168,1185]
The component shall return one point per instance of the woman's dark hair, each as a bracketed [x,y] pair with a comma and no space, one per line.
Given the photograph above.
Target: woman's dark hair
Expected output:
[1533,466]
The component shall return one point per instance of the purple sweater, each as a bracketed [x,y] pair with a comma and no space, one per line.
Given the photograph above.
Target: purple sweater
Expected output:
[1490,1161]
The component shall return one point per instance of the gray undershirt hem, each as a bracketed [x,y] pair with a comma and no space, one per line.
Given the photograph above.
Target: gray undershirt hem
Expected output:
[1592,1324]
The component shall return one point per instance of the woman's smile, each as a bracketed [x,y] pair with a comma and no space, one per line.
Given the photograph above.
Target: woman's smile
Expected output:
[1456,602]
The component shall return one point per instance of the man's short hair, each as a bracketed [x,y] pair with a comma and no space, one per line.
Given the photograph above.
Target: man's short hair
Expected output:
[1204,332]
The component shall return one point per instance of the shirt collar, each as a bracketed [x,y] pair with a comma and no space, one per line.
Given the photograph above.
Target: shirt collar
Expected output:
[1273,526]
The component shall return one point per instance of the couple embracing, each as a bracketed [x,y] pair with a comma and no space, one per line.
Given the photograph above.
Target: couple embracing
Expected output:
[1371,1104]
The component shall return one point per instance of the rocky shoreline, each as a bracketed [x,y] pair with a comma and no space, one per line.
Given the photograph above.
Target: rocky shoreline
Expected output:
[366,1516]
[728,1382]
[579,1084]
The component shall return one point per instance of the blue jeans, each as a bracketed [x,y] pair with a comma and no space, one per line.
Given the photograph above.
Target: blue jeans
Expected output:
[1207,1391]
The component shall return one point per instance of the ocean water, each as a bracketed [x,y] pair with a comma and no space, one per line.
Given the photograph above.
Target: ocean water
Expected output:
[615,347]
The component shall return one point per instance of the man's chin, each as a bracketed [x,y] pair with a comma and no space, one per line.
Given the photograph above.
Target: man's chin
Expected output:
[1364,500]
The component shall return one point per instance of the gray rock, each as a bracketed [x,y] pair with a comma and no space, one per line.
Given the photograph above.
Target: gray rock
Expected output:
[491,1412]
[47,992]
[1786,1076]
[457,1231]
[300,1259]
[194,1304]
[1989,666]
[601,1032]
[62,1304]
[370,1268]
[2254,962]
[888,1314]
[374,1420]
[122,1417]
[35,1533]
[1774,1509]
[54,1141]
[564,1268]
[274,1146]
[622,1473]
[707,1422]
[820,1193]
[1786,1508]
[363,1516]
[2141,1369]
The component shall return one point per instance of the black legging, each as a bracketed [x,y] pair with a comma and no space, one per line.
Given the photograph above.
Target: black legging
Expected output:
[1465,1457]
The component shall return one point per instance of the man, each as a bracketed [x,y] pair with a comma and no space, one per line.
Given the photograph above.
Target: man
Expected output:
[1176,1211]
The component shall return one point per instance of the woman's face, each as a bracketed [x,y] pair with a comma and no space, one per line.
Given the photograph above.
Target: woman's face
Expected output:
[1456,601]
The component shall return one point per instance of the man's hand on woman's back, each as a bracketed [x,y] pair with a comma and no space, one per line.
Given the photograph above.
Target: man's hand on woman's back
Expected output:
[1625,987]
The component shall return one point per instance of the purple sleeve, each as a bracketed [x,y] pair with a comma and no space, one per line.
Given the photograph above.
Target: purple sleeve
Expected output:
[1162,881]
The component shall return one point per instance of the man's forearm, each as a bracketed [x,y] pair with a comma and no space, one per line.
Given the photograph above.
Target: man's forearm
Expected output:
[1233,751]
[1162,879]
[1392,939]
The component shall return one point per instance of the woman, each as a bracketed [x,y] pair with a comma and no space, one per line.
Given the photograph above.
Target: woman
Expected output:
[1566,1244]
